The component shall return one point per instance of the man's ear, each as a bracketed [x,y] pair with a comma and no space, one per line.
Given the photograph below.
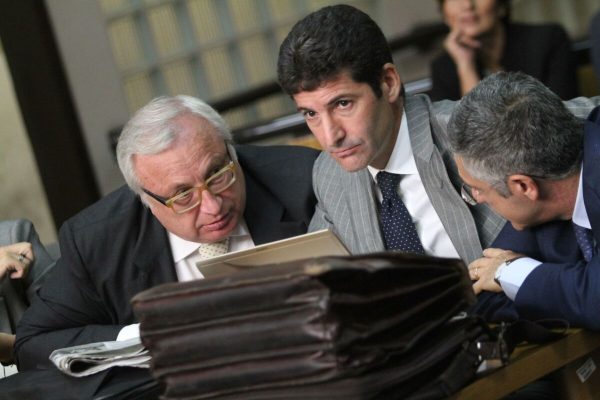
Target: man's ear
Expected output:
[390,82]
[523,185]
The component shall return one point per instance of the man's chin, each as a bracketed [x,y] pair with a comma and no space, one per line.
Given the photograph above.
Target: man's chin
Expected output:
[351,164]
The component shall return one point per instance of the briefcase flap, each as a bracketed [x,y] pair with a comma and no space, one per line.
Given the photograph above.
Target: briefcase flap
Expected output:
[302,321]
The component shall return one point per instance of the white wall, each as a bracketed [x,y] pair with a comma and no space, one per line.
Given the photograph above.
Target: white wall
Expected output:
[93,79]
[22,193]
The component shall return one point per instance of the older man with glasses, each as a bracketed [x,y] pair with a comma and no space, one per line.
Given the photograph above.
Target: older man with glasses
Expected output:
[190,192]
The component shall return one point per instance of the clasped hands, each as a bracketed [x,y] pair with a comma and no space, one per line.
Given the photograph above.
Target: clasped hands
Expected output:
[483,270]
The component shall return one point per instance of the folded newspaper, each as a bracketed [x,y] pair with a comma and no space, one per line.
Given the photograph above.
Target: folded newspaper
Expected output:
[91,358]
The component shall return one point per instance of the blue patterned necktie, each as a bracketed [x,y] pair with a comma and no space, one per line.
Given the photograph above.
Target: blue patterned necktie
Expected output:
[585,239]
[399,232]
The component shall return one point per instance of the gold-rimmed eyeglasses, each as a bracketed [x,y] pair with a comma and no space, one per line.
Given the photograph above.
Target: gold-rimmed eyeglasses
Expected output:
[192,197]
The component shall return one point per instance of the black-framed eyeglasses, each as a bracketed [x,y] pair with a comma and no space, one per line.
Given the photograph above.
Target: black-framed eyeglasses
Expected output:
[192,197]
[466,192]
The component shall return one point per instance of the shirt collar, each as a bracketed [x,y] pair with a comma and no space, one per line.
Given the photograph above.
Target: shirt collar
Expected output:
[402,160]
[182,248]
[580,216]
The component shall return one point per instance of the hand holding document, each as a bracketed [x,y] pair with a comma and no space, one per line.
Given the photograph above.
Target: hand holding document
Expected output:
[91,358]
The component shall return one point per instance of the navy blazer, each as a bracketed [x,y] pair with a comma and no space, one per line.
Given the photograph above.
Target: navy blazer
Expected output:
[552,242]
[572,290]
[116,248]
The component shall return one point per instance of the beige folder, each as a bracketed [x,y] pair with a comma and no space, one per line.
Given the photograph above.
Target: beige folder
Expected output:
[314,244]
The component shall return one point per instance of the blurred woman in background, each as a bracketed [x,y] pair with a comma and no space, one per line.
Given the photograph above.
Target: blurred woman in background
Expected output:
[483,41]
[24,264]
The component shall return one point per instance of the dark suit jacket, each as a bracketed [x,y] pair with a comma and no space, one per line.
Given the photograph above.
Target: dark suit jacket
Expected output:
[552,242]
[116,248]
[572,290]
[542,51]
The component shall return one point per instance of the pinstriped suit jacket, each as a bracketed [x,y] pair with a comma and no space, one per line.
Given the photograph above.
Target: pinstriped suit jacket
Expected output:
[348,206]
[347,202]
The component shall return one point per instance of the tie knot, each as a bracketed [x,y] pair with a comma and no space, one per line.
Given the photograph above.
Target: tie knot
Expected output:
[209,250]
[388,183]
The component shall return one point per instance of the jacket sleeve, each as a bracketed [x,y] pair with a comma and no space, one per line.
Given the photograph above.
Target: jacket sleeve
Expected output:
[67,311]
[570,291]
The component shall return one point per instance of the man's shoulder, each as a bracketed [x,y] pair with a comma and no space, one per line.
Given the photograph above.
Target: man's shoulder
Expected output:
[582,106]
[439,112]
[111,210]
[330,177]
[325,167]
[253,154]
[275,165]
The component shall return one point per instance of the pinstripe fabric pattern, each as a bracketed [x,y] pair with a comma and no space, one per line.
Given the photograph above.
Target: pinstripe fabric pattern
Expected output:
[347,204]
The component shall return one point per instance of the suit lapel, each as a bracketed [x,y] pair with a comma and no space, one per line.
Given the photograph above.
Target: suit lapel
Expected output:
[453,212]
[265,215]
[152,254]
[362,204]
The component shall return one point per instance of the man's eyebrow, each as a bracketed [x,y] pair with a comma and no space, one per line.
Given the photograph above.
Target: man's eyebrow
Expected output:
[338,98]
[330,103]
[216,164]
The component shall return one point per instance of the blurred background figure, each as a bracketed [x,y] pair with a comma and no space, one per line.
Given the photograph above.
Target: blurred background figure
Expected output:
[24,263]
[482,40]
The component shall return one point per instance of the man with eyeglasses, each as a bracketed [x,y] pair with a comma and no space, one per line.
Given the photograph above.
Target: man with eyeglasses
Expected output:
[520,150]
[188,189]
[386,179]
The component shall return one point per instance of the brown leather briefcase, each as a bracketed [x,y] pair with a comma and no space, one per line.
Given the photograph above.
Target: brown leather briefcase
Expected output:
[377,326]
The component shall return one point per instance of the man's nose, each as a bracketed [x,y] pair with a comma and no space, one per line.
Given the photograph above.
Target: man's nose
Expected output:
[211,203]
[333,132]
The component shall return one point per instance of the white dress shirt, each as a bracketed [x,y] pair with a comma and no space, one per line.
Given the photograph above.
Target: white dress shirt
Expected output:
[514,274]
[434,238]
[185,255]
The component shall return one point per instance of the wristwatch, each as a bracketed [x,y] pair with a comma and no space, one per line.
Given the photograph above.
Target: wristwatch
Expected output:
[498,272]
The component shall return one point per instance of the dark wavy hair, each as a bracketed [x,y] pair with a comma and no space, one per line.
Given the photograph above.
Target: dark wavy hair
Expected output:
[329,41]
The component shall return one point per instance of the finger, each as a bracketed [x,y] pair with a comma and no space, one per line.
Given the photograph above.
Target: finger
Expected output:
[17,273]
[23,248]
[475,273]
[454,34]
[494,252]
[477,287]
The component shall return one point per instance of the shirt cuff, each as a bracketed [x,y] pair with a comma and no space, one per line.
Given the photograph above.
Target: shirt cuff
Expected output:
[514,274]
[129,332]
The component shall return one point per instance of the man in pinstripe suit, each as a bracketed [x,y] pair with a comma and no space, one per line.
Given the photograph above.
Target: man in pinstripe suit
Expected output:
[354,103]
[337,66]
